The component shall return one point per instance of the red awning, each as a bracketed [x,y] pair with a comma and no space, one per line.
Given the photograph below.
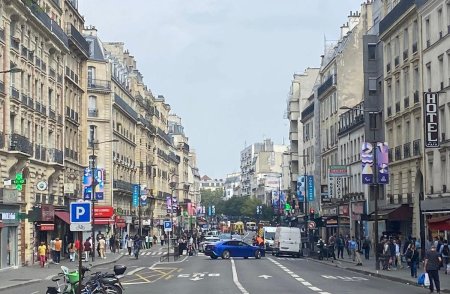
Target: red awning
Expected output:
[63,215]
[439,223]
[103,221]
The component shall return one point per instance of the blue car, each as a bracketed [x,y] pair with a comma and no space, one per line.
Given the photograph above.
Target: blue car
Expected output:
[233,248]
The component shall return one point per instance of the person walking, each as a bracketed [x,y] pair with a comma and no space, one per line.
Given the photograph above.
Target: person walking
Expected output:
[42,251]
[366,247]
[412,258]
[445,253]
[162,239]
[58,247]
[398,256]
[52,249]
[71,249]
[431,266]
[102,247]
[129,245]
[147,241]
[353,247]
[112,244]
[340,247]
[155,240]
[87,248]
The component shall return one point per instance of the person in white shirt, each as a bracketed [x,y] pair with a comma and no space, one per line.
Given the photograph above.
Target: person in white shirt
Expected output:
[398,255]
[147,242]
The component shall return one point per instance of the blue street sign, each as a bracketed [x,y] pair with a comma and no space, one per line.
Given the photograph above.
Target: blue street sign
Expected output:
[135,201]
[310,187]
[167,226]
[80,212]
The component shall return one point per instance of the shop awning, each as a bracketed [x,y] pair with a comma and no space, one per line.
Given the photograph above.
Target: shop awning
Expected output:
[439,223]
[103,221]
[399,213]
[64,216]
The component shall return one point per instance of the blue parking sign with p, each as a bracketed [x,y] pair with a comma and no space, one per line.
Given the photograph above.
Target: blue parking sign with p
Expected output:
[167,226]
[80,212]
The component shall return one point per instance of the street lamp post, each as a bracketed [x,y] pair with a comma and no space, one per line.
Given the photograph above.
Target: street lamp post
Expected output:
[375,185]
[93,185]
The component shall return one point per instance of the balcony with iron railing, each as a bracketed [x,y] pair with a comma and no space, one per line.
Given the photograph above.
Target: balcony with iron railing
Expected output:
[14,44]
[405,54]
[24,52]
[407,150]
[396,61]
[24,99]
[416,147]
[127,108]
[43,109]
[327,84]
[51,114]
[55,155]
[388,67]
[20,143]
[122,185]
[46,21]
[2,87]
[37,106]
[398,153]
[52,73]
[40,152]
[2,140]
[2,34]
[394,15]
[15,93]
[77,40]
[390,158]
[100,85]
[397,107]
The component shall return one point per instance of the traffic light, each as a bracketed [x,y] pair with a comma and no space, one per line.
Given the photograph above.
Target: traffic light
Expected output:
[19,181]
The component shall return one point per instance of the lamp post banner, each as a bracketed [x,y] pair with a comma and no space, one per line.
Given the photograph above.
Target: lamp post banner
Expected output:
[310,187]
[169,204]
[135,200]
[301,188]
[382,163]
[331,187]
[431,119]
[367,163]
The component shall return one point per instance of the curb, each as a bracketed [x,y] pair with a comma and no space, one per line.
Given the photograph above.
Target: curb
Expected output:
[34,281]
[377,275]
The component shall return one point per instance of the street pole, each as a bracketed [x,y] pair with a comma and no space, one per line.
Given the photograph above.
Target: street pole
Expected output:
[80,263]
[139,195]
[93,199]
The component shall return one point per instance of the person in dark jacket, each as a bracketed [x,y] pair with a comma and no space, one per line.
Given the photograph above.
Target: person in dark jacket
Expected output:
[431,266]
[412,257]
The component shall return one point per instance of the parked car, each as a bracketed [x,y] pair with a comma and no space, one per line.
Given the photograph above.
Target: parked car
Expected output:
[233,248]
[208,240]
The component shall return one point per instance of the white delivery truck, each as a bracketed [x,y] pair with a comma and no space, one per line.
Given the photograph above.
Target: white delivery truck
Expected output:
[287,242]
[269,237]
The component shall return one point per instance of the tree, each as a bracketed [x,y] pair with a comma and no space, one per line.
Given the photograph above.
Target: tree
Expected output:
[211,197]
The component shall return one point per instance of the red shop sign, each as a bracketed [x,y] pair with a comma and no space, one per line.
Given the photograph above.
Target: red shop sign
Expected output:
[119,219]
[47,227]
[103,211]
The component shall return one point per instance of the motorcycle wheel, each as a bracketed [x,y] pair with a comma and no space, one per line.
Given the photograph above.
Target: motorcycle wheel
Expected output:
[110,289]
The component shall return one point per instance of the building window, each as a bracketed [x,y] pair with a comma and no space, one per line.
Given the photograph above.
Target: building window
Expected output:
[371,51]
[427,32]
[441,71]
[428,76]
[372,86]
[405,40]
[406,82]
[91,75]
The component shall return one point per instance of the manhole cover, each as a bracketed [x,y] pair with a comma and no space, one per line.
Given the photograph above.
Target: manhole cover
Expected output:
[20,280]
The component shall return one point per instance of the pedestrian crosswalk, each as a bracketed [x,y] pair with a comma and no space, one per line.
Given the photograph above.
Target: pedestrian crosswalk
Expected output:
[147,253]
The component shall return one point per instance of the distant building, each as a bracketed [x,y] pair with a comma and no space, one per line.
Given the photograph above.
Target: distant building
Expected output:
[206,183]
[232,185]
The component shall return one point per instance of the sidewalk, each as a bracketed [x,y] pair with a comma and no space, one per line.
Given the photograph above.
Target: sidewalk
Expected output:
[10,278]
[401,275]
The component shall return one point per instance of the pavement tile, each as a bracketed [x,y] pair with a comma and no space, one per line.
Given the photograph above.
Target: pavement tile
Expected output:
[368,268]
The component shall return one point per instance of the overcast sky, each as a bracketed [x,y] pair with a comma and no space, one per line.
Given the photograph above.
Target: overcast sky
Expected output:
[224,66]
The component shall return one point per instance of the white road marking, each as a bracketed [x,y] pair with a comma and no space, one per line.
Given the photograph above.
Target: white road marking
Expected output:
[235,278]
[196,279]
[265,277]
[135,271]
[298,278]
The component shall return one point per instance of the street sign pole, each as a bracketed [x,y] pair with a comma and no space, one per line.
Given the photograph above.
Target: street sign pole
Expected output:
[80,263]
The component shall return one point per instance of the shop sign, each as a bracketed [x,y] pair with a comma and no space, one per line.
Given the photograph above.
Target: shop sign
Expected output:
[47,227]
[103,211]
[145,222]
[337,171]
[47,212]
[128,219]
[431,120]
[343,210]
[8,216]
[69,188]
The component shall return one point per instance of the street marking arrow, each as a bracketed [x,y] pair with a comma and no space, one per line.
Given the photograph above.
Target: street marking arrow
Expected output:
[265,277]
[196,279]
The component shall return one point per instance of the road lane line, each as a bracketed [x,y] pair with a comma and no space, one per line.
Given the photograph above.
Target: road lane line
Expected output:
[306,283]
[135,271]
[315,289]
[235,278]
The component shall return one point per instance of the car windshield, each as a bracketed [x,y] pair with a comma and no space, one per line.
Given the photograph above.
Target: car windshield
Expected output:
[269,235]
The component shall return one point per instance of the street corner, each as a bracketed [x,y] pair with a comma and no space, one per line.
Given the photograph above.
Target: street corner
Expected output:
[148,275]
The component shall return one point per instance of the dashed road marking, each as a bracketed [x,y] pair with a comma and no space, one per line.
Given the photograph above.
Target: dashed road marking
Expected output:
[298,278]
[235,278]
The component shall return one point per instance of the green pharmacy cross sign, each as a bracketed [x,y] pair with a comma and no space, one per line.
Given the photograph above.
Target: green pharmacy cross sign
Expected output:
[19,181]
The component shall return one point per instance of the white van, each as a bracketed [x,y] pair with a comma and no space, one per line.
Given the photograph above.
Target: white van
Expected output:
[251,226]
[269,237]
[287,242]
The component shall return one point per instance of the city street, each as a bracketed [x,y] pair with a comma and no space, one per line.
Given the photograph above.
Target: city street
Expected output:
[200,274]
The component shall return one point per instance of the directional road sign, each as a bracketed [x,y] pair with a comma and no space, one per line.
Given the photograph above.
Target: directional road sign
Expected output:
[167,226]
[80,212]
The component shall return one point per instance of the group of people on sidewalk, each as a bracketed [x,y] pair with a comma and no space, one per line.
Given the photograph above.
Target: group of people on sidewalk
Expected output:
[339,243]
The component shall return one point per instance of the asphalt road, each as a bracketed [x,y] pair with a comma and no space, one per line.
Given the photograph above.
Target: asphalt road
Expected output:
[200,274]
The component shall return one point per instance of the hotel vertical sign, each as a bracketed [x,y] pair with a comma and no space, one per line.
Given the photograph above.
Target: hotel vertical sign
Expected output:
[431,119]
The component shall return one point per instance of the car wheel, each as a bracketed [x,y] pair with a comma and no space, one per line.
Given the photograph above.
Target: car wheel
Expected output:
[226,254]
[213,256]
[257,254]
[273,253]
[245,257]
[277,254]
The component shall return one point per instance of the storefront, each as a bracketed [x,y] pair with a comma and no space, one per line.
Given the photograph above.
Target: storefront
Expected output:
[395,221]
[9,225]
[437,217]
